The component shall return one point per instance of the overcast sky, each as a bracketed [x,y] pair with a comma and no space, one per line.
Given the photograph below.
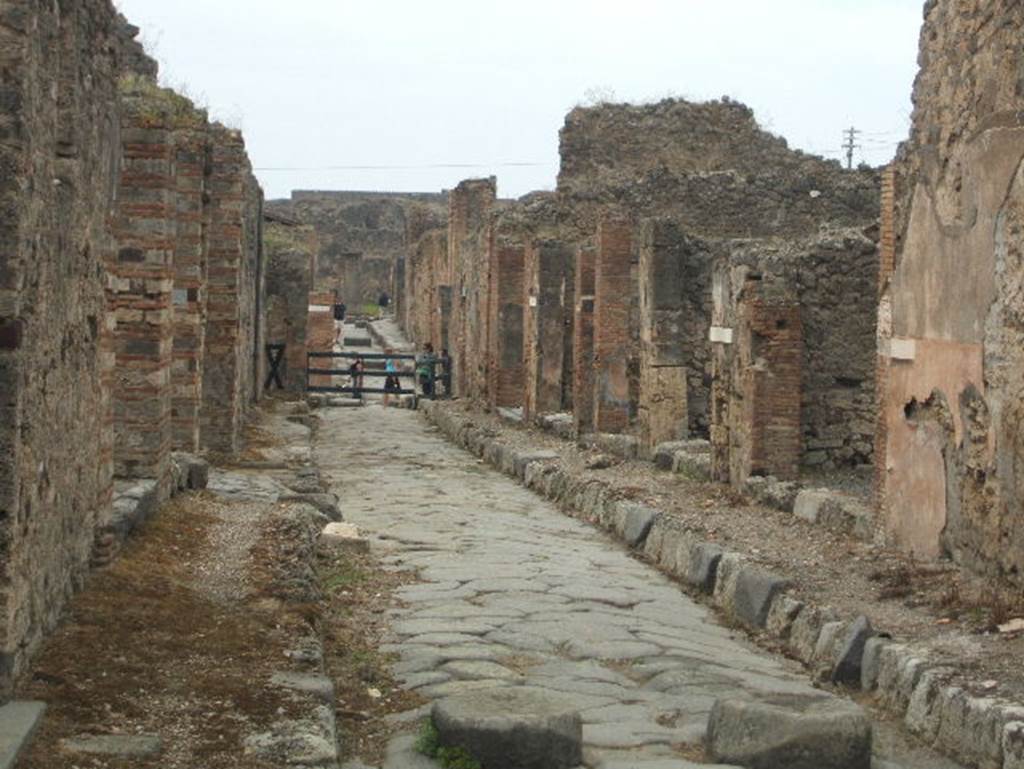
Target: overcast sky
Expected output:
[408,87]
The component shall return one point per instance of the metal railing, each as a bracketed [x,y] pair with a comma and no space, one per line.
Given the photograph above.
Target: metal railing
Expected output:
[355,379]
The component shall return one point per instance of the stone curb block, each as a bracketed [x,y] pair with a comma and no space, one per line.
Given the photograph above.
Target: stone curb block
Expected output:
[702,566]
[635,522]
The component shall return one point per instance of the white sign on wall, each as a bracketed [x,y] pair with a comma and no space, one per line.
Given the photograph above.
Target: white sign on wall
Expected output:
[319,308]
[902,349]
[721,335]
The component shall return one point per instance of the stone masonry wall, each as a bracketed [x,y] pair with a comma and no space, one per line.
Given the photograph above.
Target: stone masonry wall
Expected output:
[829,277]
[428,253]
[713,173]
[361,235]
[505,348]
[674,278]
[291,256]
[59,151]
[192,166]
[234,292]
[615,349]
[549,287]
[756,428]
[139,295]
[470,207]
[951,323]
[109,207]
[708,165]
[583,340]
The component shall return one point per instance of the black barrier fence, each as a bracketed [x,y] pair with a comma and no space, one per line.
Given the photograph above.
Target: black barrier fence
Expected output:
[440,371]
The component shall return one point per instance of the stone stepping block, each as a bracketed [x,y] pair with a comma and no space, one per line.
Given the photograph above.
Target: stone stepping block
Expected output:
[115,745]
[794,731]
[358,341]
[518,727]
[344,403]
[344,536]
[18,722]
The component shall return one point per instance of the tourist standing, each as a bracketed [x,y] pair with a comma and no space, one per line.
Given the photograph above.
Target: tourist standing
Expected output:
[425,363]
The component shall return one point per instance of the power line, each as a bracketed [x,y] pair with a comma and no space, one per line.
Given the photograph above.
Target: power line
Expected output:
[401,167]
[850,144]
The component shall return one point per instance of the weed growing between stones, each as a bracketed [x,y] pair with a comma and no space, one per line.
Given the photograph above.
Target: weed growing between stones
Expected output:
[343,575]
[428,744]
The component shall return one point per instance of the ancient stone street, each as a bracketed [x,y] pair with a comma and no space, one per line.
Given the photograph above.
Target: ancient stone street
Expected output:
[513,592]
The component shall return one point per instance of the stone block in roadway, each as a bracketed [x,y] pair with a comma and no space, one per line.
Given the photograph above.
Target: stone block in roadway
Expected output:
[517,727]
[791,731]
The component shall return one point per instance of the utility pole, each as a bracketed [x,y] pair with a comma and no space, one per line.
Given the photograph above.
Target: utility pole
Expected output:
[850,144]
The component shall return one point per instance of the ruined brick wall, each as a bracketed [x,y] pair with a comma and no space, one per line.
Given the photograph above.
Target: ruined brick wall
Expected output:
[506,381]
[58,167]
[675,318]
[235,293]
[291,256]
[953,408]
[429,253]
[141,282]
[470,207]
[757,367]
[192,165]
[549,289]
[708,165]
[109,208]
[361,236]
[830,278]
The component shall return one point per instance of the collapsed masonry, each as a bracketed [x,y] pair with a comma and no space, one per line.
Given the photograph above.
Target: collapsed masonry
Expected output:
[628,296]
[131,293]
[696,278]
[951,339]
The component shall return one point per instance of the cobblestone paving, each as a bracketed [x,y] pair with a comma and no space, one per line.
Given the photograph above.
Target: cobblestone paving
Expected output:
[515,592]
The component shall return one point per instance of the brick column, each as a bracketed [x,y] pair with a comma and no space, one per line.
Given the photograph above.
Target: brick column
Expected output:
[505,351]
[887,266]
[765,392]
[192,160]
[139,296]
[583,340]
[548,279]
[663,412]
[613,299]
[470,204]
[223,408]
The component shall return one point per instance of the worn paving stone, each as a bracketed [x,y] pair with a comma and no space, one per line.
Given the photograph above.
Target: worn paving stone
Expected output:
[474,670]
[561,602]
